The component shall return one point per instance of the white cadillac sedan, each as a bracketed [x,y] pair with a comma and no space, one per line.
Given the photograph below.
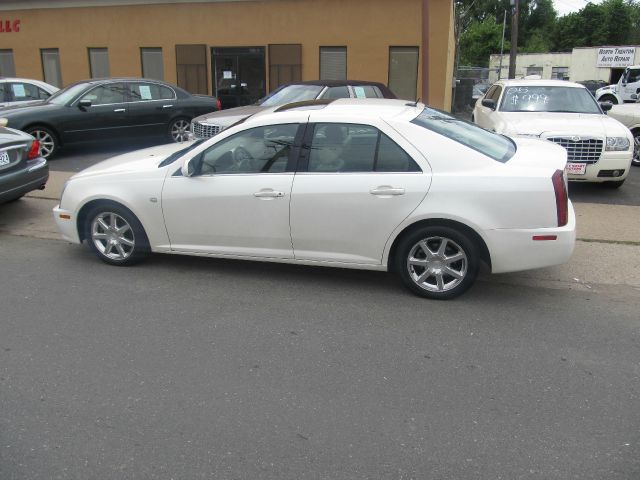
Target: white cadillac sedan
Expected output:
[599,148]
[367,184]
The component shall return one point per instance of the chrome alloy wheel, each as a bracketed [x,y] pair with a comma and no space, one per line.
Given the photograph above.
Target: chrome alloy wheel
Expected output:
[180,130]
[437,264]
[47,143]
[112,236]
[636,148]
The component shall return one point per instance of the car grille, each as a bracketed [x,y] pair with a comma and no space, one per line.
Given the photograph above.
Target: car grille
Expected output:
[204,130]
[586,150]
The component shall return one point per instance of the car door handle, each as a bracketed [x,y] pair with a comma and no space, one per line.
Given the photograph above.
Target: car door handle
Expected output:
[268,194]
[120,110]
[386,190]
[167,106]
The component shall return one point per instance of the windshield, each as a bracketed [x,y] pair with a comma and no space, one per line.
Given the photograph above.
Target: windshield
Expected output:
[548,99]
[64,96]
[496,146]
[291,93]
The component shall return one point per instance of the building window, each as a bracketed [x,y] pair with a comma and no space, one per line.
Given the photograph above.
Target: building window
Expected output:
[152,64]
[534,71]
[560,73]
[51,66]
[403,71]
[333,63]
[285,64]
[98,62]
[7,67]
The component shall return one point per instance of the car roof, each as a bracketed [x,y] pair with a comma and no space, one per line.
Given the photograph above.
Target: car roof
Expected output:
[336,83]
[347,107]
[540,83]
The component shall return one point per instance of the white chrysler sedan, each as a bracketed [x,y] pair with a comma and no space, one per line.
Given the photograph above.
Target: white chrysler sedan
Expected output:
[599,148]
[367,184]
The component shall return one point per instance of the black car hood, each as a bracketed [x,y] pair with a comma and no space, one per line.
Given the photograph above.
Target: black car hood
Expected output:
[31,108]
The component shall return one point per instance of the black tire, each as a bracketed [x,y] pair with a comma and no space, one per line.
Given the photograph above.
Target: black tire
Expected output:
[116,245]
[608,98]
[636,148]
[49,143]
[179,129]
[412,247]
[615,184]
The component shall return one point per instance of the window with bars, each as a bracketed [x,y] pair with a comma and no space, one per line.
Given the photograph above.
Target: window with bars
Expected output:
[560,73]
[152,63]
[98,62]
[403,71]
[7,67]
[333,63]
[51,66]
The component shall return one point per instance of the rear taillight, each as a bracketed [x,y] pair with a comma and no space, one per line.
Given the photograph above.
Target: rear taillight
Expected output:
[34,151]
[562,199]
[218,104]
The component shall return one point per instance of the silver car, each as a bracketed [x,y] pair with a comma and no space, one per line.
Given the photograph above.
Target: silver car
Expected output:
[22,91]
[210,124]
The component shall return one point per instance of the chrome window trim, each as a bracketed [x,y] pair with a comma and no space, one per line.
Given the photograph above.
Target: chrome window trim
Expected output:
[132,82]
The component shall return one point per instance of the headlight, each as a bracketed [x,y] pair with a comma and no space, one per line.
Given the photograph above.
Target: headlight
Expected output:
[617,144]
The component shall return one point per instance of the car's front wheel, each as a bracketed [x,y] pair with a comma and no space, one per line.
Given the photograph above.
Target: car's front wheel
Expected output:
[179,130]
[437,262]
[46,138]
[608,98]
[636,148]
[115,235]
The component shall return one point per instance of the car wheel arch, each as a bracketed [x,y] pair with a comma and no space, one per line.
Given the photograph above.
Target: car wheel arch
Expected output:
[485,255]
[81,217]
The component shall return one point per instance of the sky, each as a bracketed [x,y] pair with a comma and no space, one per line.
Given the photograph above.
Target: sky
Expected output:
[567,6]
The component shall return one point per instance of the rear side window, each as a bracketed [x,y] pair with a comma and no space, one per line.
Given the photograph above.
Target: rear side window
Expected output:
[139,92]
[19,91]
[337,92]
[339,147]
[492,145]
[367,91]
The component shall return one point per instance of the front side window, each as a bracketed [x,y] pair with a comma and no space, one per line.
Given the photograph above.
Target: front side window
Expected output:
[139,92]
[336,92]
[633,75]
[105,94]
[265,149]
[537,98]
[339,147]
[495,146]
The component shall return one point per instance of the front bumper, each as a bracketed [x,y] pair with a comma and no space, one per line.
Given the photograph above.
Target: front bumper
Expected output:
[603,169]
[67,224]
[514,250]
[16,183]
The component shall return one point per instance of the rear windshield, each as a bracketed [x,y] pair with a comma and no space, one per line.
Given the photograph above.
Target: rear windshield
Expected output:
[497,147]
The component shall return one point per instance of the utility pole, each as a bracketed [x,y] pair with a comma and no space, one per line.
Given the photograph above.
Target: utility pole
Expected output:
[515,13]
[504,26]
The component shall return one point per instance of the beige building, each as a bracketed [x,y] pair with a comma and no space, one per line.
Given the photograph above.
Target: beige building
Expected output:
[240,48]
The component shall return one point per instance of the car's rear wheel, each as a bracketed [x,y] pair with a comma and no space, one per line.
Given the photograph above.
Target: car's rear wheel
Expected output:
[179,130]
[115,235]
[47,139]
[636,148]
[437,262]
[608,98]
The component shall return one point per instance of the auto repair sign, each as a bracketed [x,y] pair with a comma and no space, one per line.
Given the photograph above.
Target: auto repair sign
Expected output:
[616,57]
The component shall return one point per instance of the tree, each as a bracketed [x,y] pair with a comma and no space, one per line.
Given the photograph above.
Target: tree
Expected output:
[479,41]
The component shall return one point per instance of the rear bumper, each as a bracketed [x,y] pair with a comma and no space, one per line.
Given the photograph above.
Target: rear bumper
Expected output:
[608,163]
[32,176]
[514,250]
[66,222]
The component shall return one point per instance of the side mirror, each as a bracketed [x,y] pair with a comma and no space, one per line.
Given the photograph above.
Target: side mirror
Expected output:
[606,106]
[489,103]
[84,104]
[188,168]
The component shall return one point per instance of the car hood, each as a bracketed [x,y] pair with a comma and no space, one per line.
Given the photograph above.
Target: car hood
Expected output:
[30,107]
[143,160]
[230,116]
[538,124]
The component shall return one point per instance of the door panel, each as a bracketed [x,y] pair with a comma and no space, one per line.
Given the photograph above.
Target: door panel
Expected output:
[229,214]
[151,107]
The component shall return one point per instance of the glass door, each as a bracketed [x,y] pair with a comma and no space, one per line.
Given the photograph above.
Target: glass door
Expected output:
[239,75]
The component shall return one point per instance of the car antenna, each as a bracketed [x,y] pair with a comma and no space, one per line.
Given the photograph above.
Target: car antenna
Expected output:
[413,104]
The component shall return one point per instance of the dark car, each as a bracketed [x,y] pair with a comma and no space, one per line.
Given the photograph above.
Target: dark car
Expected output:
[206,126]
[593,85]
[109,108]
[22,169]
